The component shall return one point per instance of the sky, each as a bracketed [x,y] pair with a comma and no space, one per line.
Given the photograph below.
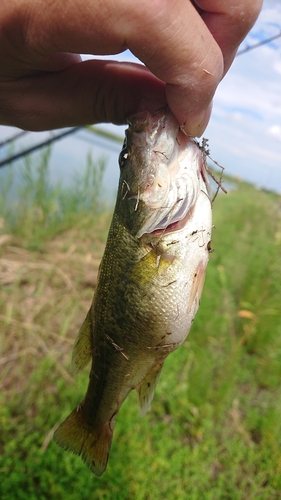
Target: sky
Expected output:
[244,132]
[245,128]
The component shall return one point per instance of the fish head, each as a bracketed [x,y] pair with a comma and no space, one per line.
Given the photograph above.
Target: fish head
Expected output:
[161,173]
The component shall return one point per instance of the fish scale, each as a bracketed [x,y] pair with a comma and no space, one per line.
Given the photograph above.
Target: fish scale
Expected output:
[150,280]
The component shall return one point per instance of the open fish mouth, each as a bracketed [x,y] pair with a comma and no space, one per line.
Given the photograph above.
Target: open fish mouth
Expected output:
[180,197]
[168,217]
[163,172]
[175,224]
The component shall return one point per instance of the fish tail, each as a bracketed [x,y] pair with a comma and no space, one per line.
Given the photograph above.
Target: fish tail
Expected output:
[91,443]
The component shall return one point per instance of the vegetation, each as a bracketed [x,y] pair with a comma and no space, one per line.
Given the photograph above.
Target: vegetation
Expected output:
[35,209]
[214,428]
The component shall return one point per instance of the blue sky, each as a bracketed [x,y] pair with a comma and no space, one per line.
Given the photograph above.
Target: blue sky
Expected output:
[245,128]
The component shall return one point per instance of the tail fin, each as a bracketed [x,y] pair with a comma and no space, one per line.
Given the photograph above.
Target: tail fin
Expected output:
[92,444]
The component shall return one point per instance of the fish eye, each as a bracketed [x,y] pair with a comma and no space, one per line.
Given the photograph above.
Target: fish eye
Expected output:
[123,157]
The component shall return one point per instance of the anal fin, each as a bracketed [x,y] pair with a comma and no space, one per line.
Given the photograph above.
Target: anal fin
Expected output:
[145,390]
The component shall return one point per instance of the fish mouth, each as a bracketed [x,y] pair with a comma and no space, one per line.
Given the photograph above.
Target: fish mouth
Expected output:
[168,219]
[165,174]
[174,226]
[179,202]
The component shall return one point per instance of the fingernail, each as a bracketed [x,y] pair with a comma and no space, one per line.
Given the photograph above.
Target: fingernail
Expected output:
[197,122]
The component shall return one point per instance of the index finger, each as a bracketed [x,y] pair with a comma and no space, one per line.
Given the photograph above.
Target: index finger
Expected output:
[168,36]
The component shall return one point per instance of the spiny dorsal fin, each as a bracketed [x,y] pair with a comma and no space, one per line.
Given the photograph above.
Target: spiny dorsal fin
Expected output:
[82,350]
[146,388]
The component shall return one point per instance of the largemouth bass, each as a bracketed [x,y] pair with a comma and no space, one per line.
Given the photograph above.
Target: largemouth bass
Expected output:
[150,279]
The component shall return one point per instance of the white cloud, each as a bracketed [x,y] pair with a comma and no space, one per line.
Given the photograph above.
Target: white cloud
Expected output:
[275,131]
[277,66]
[245,128]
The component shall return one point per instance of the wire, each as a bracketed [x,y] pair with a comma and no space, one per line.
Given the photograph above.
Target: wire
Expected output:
[256,45]
[101,142]
[13,138]
[92,129]
[105,134]
[16,156]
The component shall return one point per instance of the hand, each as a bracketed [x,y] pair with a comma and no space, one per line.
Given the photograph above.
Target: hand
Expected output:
[186,46]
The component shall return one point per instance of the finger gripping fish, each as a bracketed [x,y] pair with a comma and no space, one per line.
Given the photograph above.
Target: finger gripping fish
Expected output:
[150,280]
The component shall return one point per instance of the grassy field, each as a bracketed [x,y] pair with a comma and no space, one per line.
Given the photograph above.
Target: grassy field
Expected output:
[214,428]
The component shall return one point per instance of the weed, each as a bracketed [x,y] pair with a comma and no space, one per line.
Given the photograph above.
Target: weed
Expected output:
[35,209]
[214,428]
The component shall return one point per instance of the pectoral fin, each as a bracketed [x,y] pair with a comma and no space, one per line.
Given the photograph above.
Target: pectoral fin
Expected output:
[151,266]
[146,388]
[197,286]
[82,350]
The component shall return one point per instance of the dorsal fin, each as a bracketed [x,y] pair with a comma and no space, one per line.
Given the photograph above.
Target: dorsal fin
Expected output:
[145,390]
[82,350]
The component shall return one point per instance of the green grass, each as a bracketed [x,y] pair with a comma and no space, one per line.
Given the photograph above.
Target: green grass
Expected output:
[35,209]
[214,428]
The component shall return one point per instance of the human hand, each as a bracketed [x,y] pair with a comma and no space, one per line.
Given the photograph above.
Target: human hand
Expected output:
[186,46]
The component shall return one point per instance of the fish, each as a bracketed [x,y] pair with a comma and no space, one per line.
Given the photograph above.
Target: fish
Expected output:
[150,279]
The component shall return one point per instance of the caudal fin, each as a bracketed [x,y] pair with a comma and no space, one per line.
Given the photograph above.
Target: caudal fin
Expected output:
[92,444]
